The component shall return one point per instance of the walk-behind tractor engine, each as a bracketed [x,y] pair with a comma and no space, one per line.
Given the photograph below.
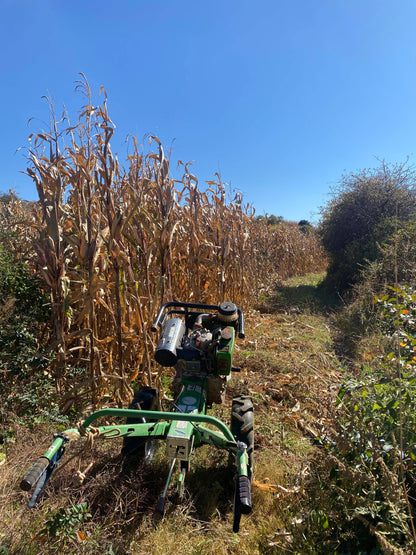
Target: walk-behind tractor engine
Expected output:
[203,351]
[198,340]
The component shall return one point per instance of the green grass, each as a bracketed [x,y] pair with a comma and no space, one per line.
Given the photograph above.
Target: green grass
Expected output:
[305,294]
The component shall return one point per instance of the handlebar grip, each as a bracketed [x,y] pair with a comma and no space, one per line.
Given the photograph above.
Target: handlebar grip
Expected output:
[244,494]
[34,473]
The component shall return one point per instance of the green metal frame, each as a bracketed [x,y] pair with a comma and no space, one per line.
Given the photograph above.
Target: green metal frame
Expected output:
[222,439]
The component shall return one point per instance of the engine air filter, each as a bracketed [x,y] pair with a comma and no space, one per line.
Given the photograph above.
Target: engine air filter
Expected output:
[227,312]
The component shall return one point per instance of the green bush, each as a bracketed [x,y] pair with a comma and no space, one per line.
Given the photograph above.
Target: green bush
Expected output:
[397,260]
[373,456]
[24,310]
[365,211]
[66,521]
[27,388]
[305,226]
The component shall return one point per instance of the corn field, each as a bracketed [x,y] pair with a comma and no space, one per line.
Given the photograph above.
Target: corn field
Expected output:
[114,241]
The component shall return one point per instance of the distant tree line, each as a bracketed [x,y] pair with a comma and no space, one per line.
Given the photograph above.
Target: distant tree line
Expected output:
[270,219]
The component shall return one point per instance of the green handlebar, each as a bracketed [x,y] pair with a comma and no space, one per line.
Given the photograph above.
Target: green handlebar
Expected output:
[160,415]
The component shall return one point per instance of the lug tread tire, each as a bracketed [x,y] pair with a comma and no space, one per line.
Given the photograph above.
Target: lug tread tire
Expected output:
[146,398]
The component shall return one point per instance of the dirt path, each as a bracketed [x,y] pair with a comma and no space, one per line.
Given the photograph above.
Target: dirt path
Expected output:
[293,374]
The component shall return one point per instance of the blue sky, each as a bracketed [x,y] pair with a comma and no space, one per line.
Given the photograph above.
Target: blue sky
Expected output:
[280,97]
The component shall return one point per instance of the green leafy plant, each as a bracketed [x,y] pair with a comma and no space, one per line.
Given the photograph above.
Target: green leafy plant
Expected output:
[4,550]
[374,453]
[66,521]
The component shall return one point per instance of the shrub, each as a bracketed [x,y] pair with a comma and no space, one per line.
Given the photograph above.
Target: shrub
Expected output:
[365,211]
[373,456]
[305,226]
[27,388]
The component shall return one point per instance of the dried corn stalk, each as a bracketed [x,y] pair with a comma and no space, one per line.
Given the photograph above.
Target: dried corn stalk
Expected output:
[115,242]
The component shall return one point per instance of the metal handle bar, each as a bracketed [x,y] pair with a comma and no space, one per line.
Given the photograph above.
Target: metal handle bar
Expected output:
[160,317]
[159,321]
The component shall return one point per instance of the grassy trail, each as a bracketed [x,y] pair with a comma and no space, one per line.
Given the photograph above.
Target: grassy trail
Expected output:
[290,369]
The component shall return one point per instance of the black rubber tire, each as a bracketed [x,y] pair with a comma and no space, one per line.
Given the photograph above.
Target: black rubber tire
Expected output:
[242,425]
[146,398]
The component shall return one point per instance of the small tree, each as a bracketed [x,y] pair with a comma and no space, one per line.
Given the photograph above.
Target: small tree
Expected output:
[364,212]
[271,220]
[274,220]
[305,226]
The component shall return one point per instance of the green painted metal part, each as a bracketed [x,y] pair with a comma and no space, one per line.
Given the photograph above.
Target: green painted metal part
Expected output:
[155,430]
[242,463]
[217,439]
[182,434]
[159,415]
[57,444]
[222,439]
[225,351]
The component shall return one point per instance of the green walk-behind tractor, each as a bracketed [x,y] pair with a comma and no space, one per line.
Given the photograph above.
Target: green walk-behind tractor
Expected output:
[198,340]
